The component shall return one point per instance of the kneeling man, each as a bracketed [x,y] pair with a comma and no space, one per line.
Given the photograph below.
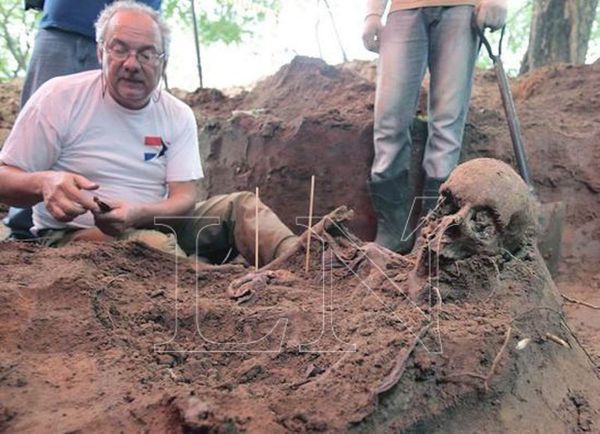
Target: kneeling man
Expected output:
[112,135]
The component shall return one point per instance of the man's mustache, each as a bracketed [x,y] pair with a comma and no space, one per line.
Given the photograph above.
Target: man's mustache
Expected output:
[134,78]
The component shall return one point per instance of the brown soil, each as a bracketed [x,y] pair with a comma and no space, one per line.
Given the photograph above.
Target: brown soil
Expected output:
[81,327]
[9,106]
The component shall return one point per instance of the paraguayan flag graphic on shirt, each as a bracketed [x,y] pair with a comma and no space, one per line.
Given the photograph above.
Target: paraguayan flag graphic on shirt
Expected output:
[154,147]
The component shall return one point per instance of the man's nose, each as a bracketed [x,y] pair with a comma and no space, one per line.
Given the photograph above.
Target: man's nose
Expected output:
[131,62]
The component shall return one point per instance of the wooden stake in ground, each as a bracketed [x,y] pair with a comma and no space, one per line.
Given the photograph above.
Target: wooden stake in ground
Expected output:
[256,231]
[310,214]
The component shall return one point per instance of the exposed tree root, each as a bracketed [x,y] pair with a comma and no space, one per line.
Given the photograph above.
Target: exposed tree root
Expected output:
[497,359]
[399,366]
[575,301]
[497,284]
[485,378]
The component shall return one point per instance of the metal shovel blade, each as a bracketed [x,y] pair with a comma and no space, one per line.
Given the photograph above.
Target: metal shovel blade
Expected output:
[552,215]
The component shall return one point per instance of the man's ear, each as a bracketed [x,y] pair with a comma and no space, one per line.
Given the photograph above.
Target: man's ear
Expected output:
[99,54]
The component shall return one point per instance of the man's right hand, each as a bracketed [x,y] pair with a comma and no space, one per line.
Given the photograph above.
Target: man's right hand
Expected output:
[63,197]
[491,14]
[371,33]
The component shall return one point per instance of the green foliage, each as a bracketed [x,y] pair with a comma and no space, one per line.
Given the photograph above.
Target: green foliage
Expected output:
[228,21]
[16,33]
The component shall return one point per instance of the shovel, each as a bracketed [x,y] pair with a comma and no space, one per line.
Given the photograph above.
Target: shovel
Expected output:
[552,215]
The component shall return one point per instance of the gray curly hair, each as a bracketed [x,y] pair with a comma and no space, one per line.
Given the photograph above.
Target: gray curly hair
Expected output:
[131,5]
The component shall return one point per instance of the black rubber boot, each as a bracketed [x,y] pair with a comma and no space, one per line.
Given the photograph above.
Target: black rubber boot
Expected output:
[431,190]
[19,221]
[392,202]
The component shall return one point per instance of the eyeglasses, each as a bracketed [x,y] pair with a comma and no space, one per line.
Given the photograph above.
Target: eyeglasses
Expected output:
[147,56]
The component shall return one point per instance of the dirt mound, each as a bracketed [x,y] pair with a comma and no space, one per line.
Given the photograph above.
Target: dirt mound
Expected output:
[559,111]
[306,119]
[310,116]
[10,101]
[121,338]
[309,119]
[121,330]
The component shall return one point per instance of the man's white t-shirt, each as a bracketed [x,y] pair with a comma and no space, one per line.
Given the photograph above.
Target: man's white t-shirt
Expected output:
[71,125]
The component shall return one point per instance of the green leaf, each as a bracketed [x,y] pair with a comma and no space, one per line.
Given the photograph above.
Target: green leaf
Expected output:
[16,34]
[226,21]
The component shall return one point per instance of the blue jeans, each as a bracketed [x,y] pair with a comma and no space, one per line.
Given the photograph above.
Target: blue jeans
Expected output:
[442,40]
[55,53]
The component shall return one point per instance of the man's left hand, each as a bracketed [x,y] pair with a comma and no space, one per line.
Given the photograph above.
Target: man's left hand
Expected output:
[121,217]
[124,215]
[491,13]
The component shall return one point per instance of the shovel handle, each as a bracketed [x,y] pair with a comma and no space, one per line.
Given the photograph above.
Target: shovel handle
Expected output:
[509,107]
[488,46]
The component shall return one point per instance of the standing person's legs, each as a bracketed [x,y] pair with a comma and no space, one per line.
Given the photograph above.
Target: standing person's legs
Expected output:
[225,225]
[402,62]
[452,55]
[55,53]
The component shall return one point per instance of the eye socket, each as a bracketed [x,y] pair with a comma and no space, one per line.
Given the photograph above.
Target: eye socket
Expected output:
[483,223]
[449,203]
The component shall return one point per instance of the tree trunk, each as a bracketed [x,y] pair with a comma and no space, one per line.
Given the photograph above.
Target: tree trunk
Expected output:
[560,32]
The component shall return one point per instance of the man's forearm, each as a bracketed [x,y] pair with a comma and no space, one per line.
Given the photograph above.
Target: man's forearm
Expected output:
[174,206]
[19,188]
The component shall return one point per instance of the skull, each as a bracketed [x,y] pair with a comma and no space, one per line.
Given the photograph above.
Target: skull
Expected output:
[484,208]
